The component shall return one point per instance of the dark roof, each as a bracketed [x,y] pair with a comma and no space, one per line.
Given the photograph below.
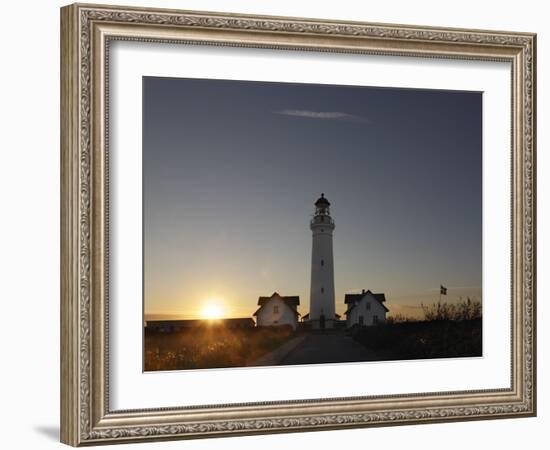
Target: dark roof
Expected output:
[351,299]
[322,201]
[293,309]
[290,300]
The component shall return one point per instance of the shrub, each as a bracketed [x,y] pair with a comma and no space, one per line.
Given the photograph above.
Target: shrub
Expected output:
[422,339]
[400,318]
[463,310]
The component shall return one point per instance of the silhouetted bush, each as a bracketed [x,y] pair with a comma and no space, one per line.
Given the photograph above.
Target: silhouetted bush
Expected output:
[400,318]
[439,338]
[463,310]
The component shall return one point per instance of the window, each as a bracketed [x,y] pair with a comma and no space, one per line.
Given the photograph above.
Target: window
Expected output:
[276,309]
[368,306]
[322,290]
[361,320]
[375,319]
[322,262]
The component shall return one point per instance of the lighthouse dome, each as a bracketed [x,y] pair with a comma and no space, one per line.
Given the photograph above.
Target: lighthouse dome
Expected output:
[322,201]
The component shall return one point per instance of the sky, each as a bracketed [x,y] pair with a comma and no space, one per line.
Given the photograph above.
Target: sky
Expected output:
[231,170]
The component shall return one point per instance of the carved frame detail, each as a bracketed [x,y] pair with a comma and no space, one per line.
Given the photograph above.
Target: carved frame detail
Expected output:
[86,33]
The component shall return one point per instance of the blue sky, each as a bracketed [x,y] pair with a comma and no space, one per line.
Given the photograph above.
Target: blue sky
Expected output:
[232,169]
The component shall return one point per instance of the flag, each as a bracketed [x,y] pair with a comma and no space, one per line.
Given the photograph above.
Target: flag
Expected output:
[443,290]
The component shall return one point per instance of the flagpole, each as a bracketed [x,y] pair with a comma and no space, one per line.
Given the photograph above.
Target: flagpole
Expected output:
[439,304]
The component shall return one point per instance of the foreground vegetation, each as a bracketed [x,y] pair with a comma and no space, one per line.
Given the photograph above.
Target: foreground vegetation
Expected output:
[422,339]
[210,347]
[448,330]
[463,310]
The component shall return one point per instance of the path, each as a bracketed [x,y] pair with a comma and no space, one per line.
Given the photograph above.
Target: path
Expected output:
[274,357]
[332,347]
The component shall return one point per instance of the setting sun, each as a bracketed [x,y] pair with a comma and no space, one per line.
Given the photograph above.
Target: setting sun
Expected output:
[212,310]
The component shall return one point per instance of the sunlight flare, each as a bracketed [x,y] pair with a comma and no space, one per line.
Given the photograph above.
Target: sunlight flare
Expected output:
[212,310]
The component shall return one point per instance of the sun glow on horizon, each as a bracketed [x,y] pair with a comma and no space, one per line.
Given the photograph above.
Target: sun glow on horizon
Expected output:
[212,309]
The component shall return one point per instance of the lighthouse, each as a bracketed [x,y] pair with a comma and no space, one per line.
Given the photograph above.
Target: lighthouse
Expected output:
[322,312]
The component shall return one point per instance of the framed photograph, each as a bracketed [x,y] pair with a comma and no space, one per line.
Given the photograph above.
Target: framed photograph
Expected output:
[273,224]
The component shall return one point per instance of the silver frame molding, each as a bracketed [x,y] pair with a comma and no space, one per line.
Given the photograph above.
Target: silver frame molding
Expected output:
[86,31]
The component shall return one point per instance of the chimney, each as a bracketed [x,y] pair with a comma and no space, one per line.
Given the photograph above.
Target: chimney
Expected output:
[363,291]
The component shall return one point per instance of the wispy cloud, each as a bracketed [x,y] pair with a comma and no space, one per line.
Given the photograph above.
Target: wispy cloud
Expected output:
[323,115]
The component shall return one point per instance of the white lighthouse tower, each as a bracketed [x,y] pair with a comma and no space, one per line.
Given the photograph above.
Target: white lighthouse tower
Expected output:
[322,311]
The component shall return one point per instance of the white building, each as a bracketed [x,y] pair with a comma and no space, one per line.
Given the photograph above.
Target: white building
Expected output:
[365,309]
[277,310]
[322,307]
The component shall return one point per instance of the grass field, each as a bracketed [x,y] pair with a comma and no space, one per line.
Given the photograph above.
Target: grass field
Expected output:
[210,347]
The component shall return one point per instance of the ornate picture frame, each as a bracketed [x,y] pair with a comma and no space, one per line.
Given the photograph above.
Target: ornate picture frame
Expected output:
[86,34]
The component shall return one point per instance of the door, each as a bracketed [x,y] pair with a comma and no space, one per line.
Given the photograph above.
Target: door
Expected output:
[322,322]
